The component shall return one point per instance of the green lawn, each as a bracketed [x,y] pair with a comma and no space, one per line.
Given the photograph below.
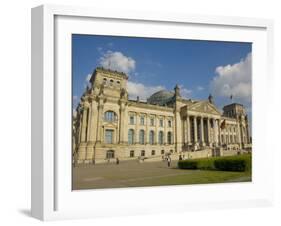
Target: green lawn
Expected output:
[199,177]
[134,174]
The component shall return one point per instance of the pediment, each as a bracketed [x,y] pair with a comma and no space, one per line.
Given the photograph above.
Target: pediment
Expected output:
[204,107]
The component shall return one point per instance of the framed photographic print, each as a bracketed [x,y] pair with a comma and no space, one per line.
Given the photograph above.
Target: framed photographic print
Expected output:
[137,112]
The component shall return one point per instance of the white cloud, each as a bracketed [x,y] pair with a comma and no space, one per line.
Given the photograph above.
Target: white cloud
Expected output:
[138,89]
[234,80]
[185,93]
[88,77]
[117,61]
[200,88]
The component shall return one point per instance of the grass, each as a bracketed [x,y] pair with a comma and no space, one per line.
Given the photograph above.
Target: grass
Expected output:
[199,177]
[134,174]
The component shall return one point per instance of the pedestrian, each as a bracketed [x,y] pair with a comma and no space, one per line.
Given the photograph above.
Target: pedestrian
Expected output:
[169,161]
[117,161]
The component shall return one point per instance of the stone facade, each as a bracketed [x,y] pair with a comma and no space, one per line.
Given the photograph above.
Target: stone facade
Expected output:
[108,125]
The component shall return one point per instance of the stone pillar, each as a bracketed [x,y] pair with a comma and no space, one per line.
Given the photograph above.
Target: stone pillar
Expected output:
[188,130]
[165,130]
[202,131]
[147,130]
[122,123]
[184,131]
[100,120]
[195,129]
[90,143]
[219,131]
[84,125]
[136,133]
[156,130]
[238,134]
[216,132]
[208,131]
[89,123]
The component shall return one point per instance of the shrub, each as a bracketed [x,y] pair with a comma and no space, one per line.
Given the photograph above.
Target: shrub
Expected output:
[188,164]
[235,163]
[229,163]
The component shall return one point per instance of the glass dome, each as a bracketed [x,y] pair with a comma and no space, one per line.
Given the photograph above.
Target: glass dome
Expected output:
[161,97]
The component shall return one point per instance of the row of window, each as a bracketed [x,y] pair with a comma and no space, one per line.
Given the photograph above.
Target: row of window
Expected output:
[228,139]
[132,121]
[110,82]
[109,135]
[110,116]
[131,137]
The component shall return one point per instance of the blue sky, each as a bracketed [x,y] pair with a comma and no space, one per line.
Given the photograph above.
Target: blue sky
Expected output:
[199,67]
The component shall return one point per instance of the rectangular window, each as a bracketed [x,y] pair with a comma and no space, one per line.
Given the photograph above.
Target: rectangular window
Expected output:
[109,136]
[161,122]
[132,120]
[152,121]
[142,120]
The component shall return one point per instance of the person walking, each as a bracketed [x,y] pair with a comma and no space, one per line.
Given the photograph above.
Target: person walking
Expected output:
[117,161]
[169,161]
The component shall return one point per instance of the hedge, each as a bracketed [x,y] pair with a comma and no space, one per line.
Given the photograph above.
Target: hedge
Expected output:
[229,163]
[233,164]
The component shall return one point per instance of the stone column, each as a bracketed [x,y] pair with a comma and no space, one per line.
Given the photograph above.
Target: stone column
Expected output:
[238,132]
[208,131]
[136,134]
[89,123]
[156,130]
[184,131]
[122,123]
[195,129]
[100,120]
[219,131]
[202,131]
[84,124]
[188,130]
[165,130]
[147,130]
[216,132]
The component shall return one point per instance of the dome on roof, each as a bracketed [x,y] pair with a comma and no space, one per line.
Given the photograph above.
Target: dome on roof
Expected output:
[161,97]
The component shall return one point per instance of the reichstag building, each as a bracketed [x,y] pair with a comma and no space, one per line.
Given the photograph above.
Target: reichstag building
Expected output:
[108,125]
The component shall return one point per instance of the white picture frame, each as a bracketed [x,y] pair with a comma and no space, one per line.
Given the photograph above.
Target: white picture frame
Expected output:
[52,197]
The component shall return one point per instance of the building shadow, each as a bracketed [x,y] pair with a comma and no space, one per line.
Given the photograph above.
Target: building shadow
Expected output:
[26,212]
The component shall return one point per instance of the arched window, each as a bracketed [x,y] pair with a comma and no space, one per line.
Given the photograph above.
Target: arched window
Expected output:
[153,152]
[110,154]
[160,137]
[169,123]
[141,136]
[110,116]
[132,153]
[143,153]
[131,136]
[162,152]
[169,137]
[104,81]
[111,82]
[151,137]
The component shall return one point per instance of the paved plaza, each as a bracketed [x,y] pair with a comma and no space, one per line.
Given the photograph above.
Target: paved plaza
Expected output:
[136,174]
